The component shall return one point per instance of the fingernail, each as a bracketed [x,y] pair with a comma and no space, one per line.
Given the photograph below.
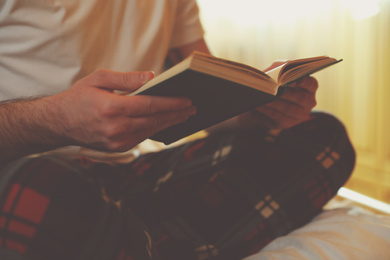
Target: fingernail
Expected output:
[146,76]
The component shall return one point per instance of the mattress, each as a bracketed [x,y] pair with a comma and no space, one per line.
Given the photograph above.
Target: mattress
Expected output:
[344,230]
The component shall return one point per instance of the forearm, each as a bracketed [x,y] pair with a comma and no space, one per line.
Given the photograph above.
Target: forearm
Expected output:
[28,126]
[89,114]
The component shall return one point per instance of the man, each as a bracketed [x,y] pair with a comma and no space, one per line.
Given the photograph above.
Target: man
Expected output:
[223,197]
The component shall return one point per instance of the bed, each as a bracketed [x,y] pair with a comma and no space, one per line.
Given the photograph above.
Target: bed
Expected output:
[348,228]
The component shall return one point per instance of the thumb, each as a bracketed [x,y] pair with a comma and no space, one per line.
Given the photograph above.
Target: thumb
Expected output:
[124,81]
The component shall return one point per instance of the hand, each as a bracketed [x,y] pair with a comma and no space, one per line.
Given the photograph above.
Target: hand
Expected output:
[291,109]
[97,118]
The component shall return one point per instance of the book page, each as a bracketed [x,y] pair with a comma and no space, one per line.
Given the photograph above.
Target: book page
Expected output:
[294,63]
[295,70]
[234,71]
[231,65]
[274,70]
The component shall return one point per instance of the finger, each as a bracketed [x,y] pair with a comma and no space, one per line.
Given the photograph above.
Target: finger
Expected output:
[299,97]
[259,118]
[121,127]
[277,119]
[146,105]
[307,83]
[142,128]
[124,81]
[289,108]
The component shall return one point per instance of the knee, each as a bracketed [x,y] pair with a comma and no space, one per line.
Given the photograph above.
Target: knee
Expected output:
[327,120]
[323,128]
[324,124]
[328,132]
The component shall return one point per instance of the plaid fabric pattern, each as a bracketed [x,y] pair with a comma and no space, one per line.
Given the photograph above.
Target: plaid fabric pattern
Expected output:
[223,197]
[49,211]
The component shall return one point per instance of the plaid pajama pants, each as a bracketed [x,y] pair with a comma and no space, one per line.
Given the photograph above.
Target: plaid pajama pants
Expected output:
[222,197]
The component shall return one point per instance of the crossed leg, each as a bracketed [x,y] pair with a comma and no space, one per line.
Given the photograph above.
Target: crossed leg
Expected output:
[222,197]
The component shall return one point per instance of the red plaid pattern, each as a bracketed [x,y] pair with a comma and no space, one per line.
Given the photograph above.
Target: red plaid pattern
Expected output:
[50,211]
[223,197]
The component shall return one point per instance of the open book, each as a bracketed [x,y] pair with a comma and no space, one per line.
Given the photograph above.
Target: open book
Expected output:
[222,89]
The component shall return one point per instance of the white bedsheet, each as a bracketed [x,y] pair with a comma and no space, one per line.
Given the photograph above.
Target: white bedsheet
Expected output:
[340,233]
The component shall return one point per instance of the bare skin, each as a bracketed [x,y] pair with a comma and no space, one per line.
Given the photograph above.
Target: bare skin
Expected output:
[89,114]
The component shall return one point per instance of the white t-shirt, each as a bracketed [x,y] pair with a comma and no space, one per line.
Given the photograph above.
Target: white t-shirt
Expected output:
[47,45]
